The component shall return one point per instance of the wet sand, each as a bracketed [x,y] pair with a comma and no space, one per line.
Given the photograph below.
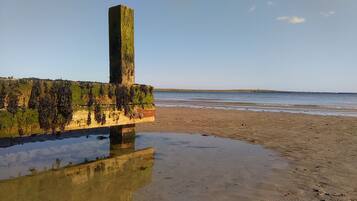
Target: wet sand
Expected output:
[321,150]
[206,168]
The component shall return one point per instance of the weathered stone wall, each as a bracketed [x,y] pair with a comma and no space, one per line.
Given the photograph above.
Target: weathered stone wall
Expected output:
[29,106]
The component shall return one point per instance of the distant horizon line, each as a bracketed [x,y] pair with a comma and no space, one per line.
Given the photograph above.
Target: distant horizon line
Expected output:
[246,91]
[159,89]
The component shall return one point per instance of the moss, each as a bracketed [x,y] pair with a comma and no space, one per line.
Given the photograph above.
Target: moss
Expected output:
[141,95]
[24,121]
[34,105]
[7,121]
[136,95]
[24,86]
[77,94]
[27,120]
[96,89]
[31,117]
[121,40]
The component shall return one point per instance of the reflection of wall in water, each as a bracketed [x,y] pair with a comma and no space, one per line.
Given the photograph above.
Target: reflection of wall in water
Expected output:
[109,179]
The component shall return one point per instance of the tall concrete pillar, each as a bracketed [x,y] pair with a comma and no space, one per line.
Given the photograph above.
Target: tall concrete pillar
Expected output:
[121,45]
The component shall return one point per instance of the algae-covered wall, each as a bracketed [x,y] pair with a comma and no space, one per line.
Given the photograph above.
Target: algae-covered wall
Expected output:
[30,106]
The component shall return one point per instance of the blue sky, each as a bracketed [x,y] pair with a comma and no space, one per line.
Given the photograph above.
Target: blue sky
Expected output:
[303,45]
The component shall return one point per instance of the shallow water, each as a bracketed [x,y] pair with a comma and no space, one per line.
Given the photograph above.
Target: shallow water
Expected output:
[336,104]
[96,167]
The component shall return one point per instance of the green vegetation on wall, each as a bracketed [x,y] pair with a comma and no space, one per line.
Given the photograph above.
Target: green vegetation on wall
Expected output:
[34,105]
[121,45]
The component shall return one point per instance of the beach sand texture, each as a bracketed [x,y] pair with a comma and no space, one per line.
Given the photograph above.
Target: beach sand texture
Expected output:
[321,150]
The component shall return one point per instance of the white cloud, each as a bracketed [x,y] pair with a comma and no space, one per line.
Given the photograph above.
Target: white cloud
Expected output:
[270,3]
[292,19]
[252,9]
[328,14]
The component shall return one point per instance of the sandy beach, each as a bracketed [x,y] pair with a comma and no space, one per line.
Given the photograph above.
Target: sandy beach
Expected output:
[321,150]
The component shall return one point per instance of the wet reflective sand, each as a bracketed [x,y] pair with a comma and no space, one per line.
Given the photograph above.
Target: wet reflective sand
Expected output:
[93,166]
[196,167]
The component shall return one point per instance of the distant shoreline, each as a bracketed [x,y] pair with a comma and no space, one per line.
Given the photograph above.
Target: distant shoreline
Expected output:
[243,91]
[197,90]
[308,109]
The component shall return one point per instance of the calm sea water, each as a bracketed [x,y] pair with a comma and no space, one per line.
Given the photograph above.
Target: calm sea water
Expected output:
[311,103]
[93,166]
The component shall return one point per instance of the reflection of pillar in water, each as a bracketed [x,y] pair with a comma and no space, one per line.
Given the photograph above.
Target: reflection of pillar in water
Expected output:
[122,140]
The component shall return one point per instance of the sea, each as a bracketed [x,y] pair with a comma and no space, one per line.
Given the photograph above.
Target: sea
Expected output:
[334,104]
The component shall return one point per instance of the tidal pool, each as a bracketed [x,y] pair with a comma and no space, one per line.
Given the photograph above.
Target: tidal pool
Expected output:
[93,166]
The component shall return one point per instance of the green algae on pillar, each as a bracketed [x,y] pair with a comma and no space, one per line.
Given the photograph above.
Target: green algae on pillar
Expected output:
[121,45]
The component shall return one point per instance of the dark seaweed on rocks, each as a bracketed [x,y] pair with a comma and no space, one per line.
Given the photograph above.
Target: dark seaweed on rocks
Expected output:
[97,113]
[104,119]
[101,90]
[90,96]
[50,104]
[13,96]
[47,112]
[13,103]
[110,92]
[64,100]
[89,119]
[55,108]
[122,96]
[2,96]
[35,95]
